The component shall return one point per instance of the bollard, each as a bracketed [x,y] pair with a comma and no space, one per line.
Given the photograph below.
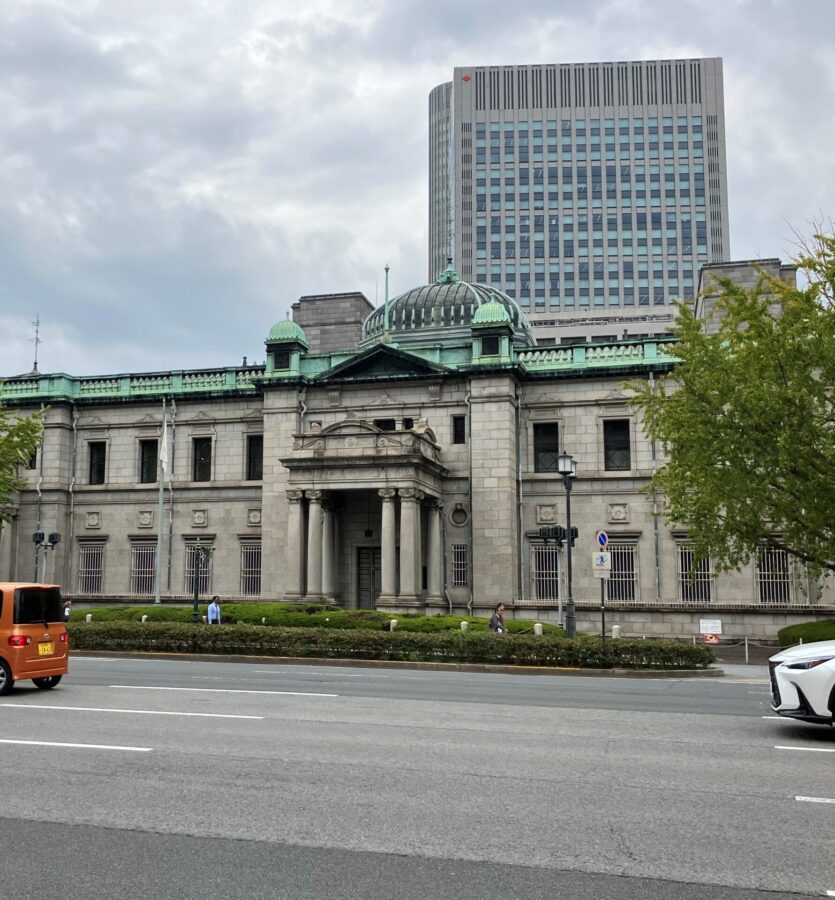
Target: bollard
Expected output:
[465,626]
[537,629]
[392,624]
[205,620]
[615,631]
[694,638]
[263,620]
[801,640]
[746,649]
[144,619]
[88,618]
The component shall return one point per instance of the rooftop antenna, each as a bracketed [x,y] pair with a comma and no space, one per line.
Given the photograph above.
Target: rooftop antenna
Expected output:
[386,303]
[36,340]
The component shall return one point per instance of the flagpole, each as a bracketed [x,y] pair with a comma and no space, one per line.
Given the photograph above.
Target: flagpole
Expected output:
[162,468]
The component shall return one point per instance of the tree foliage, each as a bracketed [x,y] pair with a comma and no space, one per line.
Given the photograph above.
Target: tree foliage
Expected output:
[19,439]
[746,419]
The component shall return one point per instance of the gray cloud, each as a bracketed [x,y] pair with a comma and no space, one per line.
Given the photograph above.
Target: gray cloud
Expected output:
[173,176]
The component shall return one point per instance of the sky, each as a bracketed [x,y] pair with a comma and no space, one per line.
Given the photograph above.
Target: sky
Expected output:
[174,175]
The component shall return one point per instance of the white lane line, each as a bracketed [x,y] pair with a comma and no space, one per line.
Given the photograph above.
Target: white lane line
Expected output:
[808,749]
[776,718]
[138,712]
[315,674]
[815,799]
[81,746]
[142,687]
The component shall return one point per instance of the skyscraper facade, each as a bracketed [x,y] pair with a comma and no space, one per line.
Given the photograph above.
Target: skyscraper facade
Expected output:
[591,193]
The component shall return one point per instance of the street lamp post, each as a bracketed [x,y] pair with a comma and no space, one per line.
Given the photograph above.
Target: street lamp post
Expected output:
[201,553]
[567,467]
[46,544]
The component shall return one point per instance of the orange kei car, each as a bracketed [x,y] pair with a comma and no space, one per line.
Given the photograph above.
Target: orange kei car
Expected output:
[33,637]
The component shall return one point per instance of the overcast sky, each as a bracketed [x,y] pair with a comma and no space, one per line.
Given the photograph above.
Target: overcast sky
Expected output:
[175,173]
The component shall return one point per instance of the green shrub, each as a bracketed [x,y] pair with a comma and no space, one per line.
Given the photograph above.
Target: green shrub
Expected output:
[808,632]
[360,644]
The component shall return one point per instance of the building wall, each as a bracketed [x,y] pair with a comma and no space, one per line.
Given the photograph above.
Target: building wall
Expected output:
[332,321]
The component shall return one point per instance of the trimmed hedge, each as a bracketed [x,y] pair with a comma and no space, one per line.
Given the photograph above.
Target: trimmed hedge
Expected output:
[808,632]
[297,616]
[359,644]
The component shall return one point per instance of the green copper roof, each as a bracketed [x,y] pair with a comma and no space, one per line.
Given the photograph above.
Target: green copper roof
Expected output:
[448,276]
[287,330]
[491,314]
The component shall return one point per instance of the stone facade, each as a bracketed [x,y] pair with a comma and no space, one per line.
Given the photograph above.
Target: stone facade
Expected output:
[399,475]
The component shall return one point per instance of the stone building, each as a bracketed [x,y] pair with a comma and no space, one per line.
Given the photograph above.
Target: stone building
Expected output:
[401,458]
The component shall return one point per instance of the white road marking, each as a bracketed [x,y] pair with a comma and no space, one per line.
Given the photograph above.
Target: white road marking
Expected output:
[138,712]
[81,746]
[142,687]
[776,718]
[318,674]
[830,893]
[809,749]
[815,799]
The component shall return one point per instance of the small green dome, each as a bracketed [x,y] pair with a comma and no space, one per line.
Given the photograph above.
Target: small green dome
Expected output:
[491,313]
[286,331]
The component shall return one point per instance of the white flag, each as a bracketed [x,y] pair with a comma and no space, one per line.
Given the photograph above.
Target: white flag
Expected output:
[163,451]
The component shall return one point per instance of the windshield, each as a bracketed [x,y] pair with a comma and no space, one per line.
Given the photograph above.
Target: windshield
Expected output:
[38,604]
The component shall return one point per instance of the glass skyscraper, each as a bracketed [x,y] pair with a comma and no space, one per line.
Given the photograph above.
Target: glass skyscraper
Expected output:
[591,193]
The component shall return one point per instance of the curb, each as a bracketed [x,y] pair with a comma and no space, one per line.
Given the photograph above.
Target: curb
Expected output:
[402,664]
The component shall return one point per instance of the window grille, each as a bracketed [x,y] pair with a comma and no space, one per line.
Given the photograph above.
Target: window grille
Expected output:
[545,571]
[545,446]
[250,568]
[694,585]
[204,573]
[616,445]
[623,580]
[143,568]
[460,565]
[774,576]
[90,568]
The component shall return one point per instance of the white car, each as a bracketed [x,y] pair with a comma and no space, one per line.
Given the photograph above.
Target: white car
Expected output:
[803,682]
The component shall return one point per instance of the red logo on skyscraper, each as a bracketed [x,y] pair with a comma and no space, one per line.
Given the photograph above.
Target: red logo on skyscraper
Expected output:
[465,78]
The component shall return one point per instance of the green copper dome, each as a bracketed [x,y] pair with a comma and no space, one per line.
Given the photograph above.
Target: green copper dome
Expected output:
[286,331]
[491,313]
[445,312]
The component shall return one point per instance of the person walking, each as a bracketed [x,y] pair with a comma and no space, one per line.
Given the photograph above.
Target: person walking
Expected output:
[497,620]
[214,613]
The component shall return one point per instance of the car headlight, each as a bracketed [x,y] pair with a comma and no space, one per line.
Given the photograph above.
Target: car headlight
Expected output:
[810,663]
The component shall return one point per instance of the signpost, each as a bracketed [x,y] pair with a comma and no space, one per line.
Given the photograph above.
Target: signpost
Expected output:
[601,564]
[710,629]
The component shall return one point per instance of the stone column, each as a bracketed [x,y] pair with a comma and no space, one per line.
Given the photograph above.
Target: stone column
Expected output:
[295,542]
[410,545]
[314,545]
[388,547]
[434,550]
[329,567]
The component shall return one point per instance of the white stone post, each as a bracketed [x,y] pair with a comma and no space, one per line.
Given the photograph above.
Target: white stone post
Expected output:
[295,543]
[314,545]
[410,557]
[388,545]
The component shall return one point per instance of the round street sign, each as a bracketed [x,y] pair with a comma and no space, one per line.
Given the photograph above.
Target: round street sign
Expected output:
[602,539]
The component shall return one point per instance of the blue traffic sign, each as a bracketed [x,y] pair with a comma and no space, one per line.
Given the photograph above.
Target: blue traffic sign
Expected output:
[602,539]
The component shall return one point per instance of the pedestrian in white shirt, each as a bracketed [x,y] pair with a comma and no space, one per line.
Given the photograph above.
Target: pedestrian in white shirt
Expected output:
[213,613]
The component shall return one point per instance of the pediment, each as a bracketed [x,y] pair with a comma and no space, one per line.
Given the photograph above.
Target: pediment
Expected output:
[381,363]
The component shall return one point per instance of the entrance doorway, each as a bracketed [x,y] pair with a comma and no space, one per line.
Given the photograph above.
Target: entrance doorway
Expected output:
[369,563]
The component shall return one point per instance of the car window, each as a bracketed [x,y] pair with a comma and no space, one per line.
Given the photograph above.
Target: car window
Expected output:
[38,604]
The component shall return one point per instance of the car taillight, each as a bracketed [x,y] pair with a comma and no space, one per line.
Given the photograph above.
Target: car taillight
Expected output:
[64,637]
[19,640]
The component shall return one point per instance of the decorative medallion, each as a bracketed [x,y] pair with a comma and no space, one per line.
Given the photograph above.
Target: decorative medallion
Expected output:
[618,512]
[199,518]
[546,513]
[253,517]
[146,518]
[93,520]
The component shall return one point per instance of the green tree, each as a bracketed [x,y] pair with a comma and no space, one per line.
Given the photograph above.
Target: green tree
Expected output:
[19,439]
[746,419]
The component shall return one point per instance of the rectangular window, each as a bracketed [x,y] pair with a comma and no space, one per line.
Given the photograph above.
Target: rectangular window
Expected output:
[545,571]
[250,568]
[386,424]
[203,553]
[90,567]
[774,576]
[616,455]
[32,462]
[254,457]
[545,446]
[459,429]
[98,456]
[490,345]
[143,568]
[460,565]
[148,461]
[695,579]
[623,577]
[201,461]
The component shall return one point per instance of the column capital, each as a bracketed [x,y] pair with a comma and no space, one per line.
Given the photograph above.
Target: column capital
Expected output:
[294,496]
[387,493]
[435,503]
[411,495]
[314,496]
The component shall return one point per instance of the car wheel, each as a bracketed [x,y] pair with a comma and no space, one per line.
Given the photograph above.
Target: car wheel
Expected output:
[6,680]
[47,683]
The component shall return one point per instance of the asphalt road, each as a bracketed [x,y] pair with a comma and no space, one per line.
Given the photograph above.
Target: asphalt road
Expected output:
[181,779]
